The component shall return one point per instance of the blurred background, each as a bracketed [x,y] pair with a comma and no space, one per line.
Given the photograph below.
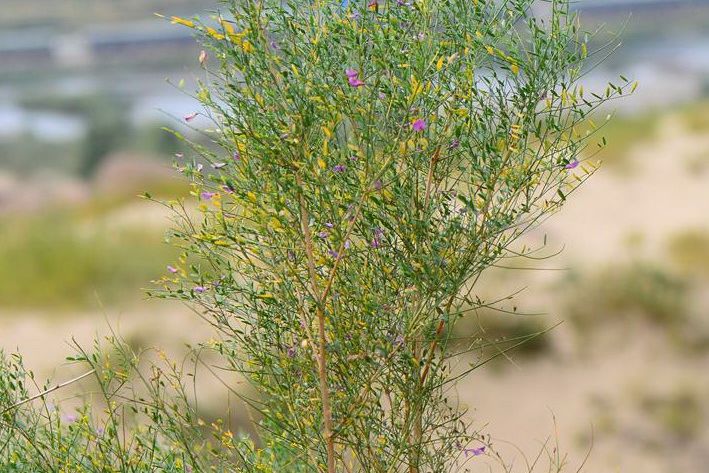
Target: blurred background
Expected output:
[87,85]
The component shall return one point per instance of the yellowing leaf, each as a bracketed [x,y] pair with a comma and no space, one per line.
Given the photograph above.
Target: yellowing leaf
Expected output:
[176,20]
[215,34]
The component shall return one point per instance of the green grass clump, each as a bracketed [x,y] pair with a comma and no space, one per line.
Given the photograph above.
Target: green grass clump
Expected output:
[63,261]
[689,252]
[679,413]
[621,135]
[636,291]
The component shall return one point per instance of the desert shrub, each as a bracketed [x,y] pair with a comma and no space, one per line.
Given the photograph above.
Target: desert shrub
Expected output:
[689,252]
[372,159]
[638,291]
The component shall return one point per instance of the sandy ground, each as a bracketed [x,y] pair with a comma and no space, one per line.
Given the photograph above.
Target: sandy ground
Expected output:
[566,395]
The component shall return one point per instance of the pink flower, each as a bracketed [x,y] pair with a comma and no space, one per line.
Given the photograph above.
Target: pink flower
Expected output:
[190,116]
[353,78]
[172,269]
[207,195]
[419,125]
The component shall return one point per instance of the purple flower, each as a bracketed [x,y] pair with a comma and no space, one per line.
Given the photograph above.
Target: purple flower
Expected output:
[207,195]
[378,236]
[172,269]
[339,168]
[323,235]
[228,189]
[353,78]
[454,144]
[333,253]
[190,116]
[419,125]
[329,225]
[572,165]
[378,185]
[200,289]
[474,451]
[292,351]
[69,418]
[347,245]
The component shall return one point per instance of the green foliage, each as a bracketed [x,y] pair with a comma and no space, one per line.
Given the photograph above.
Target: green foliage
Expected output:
[374,160]
[370,161]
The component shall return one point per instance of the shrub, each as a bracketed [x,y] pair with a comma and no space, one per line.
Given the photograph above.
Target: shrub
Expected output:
[373,159]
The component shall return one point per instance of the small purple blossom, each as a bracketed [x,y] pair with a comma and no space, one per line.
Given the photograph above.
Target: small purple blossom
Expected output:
[329,225]
[572,165]
[419,125]
[323,235]
[454,144]
[69,418]
[353,78]
[200,289]
[474,451]
[377,240]
[339,168]
[333,253]
[378,185]
[207,195]
[228,189]
[172,269]
[347,245]
[292,351]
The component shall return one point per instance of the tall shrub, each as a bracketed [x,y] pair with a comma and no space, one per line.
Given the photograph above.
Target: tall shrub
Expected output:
[374,158]
[370,159]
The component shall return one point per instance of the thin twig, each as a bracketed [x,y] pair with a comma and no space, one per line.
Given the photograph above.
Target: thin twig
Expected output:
[48,391]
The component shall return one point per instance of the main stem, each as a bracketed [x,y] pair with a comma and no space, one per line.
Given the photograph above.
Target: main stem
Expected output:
[321,354]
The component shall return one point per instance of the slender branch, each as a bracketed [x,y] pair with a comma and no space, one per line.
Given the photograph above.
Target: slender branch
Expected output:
[48,391]
[321,348]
